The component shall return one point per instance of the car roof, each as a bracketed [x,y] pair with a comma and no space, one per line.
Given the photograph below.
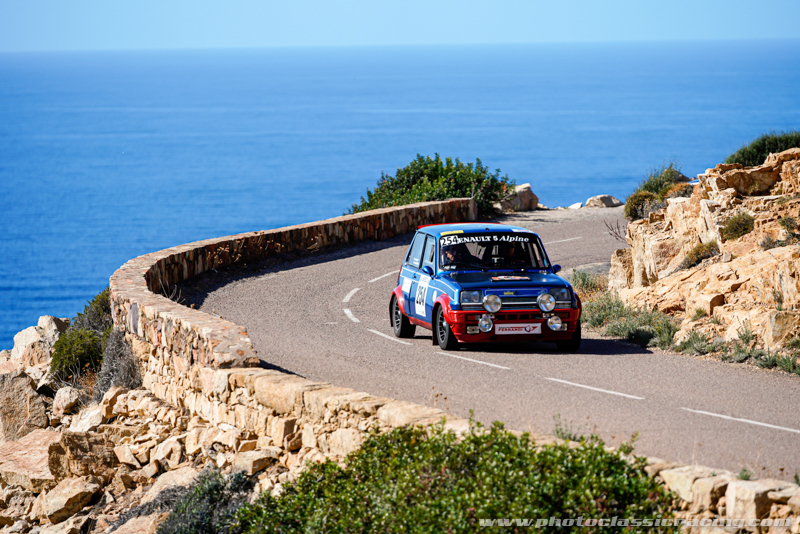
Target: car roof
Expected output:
[438,230]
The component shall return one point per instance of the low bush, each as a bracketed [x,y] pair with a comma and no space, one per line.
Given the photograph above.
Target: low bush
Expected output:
[645,328]
[607,306]
[564,429]
[768,361]
[414,480]
[119,367]
[788,223]
[96,314]
[210,506]
[788,363]
[699,253]
[737,226]
[661,179]
[698,314]
[589,286]
[76,352]
[695,343]
[757,151]
[427,179]
[793,343]
[641,204]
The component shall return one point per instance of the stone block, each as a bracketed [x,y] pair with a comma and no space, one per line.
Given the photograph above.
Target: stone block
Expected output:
[110,400]
[282,427]
[400,413]
[169,453]
[89,419]
[706,492]
[26,462]
[252,462]
[65,401]
[125,456]
[749,499]
[603,201]
[82,454]
[343,441]
[22,410]
[308,437]
[183,476]
[68,498]
[282,393]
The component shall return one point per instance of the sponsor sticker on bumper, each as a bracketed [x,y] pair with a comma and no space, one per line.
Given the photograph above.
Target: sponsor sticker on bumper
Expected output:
[518,328]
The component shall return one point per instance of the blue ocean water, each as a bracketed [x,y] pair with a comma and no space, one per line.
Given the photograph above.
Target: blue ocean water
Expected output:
[107,156]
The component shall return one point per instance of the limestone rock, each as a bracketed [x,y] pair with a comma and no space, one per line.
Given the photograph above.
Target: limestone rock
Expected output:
[603,201]
[68,498]
[681,479]
[146,524]
[748,499]
[73,525]
[281,428]
[22,339]
[401,413]
[344,441]
[253,462]
[177,478]
[25,462]
[50,328]
[169,453]
[125,456]
[109,401]
[65,400]
[621,274]
[576,206]
[82,454]
[15,503]
[35,354]
[90,418]
[706,492]
[21,409]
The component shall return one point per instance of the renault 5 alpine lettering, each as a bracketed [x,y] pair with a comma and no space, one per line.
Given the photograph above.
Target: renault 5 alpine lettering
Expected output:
[475,282]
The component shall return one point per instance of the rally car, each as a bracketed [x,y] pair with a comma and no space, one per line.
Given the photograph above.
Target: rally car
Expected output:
[483,282]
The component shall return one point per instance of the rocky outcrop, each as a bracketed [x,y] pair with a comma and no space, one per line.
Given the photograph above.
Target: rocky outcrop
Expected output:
[523,199]
[603,201]
[742,286]
[22,410]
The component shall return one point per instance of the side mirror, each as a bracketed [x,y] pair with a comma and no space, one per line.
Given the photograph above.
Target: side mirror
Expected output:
[427,270]
[556,268]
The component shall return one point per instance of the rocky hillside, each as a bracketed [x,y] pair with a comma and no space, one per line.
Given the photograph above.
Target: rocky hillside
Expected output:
[749,283]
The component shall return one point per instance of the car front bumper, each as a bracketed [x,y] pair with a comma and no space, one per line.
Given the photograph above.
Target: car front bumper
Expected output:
[464,323]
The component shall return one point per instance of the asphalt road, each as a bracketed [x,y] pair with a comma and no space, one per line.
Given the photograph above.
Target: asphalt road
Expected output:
[326,318]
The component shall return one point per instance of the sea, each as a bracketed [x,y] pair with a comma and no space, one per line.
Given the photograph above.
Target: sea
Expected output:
[105,156]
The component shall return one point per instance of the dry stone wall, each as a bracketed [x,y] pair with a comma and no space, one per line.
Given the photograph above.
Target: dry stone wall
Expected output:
[209,371]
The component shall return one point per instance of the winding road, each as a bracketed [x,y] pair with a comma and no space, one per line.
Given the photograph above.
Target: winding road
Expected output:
[326,318]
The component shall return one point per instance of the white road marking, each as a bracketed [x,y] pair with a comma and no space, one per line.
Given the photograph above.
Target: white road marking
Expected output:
[388,337]
[350,315]
[382,276]
[350,295]
[742,420]
[475,361]
[594,389]
[561,240]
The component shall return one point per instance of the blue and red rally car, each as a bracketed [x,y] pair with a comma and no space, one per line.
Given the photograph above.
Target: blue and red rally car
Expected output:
[480,282]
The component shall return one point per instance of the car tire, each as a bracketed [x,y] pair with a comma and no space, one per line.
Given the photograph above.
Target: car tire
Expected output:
[442,331]
[400,324]
[572,344]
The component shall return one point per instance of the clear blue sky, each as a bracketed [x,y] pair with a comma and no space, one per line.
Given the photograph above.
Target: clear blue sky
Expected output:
[163,24]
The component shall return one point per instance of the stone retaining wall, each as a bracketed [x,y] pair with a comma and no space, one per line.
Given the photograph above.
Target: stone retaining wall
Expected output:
[206,367]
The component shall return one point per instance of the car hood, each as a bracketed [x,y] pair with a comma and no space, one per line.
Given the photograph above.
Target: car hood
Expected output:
[504,280]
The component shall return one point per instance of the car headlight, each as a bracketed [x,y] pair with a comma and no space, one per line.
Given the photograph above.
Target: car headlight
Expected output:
[547,302]
[492,303]
[471,297]
[561,294]
[485,324]
[554,323]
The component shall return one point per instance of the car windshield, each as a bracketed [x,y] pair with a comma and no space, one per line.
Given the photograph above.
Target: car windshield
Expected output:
[490,251]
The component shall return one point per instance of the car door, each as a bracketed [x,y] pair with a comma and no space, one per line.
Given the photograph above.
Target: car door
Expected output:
[420,293]
[410,273]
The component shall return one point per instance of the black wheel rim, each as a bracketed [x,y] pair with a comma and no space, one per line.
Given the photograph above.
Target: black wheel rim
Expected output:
[441,327]
[396,315]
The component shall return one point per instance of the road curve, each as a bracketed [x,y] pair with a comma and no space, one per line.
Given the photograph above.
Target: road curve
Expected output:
[326,318]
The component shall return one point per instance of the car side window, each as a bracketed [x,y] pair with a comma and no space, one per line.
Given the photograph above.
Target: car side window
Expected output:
[415,253]
[429,257]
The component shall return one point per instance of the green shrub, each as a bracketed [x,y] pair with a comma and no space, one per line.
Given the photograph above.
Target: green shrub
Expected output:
[695,343]
[698,314]
[745,474]
[661,179]
[588,285]
[746,335]
[119,367]
[76,351]
[757,151]
[737,226]
[426,179]
[210,506]
[793,343]
[640,204]
[768,361]
[564,430]
[645,328]
[96,314]
[788,223]
[699,253]
[608,306]
[414,480]
[788,363]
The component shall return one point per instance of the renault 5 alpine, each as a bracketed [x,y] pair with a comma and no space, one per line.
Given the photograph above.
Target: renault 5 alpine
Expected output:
[483,282]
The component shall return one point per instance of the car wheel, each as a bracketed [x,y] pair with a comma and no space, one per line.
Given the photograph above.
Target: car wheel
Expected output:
[444,335]
[400,324]
[572,344]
